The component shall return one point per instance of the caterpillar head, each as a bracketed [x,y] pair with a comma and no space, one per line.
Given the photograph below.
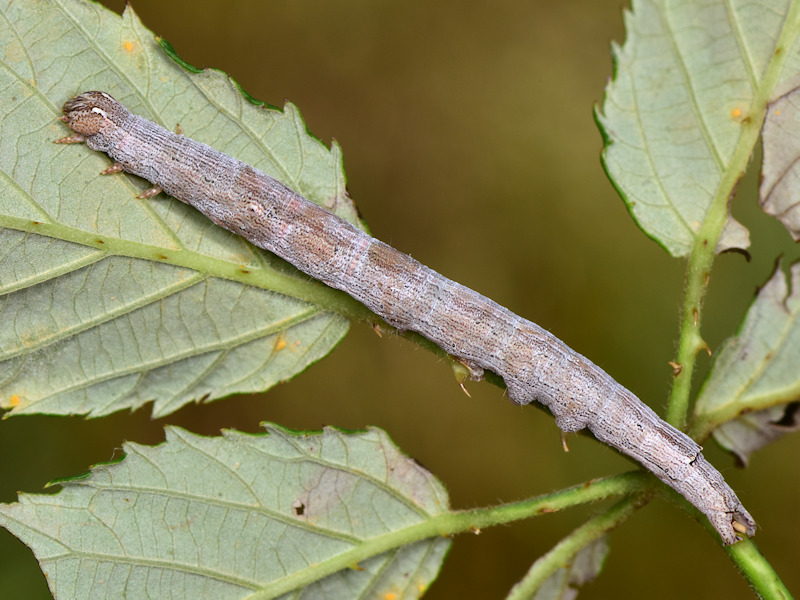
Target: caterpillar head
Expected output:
[91,113]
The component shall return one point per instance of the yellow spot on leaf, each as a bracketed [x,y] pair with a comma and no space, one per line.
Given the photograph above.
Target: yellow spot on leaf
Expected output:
[14,400]
[280,343]
[128,46]
[736,113]
[390,596]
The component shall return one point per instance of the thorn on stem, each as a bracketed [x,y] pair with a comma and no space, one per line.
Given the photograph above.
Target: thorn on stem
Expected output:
[677,368]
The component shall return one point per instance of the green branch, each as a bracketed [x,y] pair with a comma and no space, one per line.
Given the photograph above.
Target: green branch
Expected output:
[451,523]
[757,571]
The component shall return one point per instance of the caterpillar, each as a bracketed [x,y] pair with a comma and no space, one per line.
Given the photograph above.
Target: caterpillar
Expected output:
[534,364]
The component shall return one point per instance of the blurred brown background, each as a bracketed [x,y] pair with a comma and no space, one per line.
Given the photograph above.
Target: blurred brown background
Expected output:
[469,142]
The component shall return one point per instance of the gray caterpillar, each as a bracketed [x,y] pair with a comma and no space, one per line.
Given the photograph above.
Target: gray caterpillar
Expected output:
[534,364]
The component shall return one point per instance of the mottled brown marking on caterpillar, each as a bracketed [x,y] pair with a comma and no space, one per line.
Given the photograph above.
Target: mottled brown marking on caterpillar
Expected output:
[534,364]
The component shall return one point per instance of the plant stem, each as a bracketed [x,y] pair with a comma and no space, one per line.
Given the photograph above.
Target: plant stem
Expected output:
[691,342]
[564,552]
[757,571]
[634,482]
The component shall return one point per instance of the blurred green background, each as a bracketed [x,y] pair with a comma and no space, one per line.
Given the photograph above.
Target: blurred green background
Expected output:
[469,142]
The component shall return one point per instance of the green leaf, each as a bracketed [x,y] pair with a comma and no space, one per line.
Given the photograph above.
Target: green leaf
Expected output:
[585,566]
[755,371]
[239,516]
[681,116]
[107,301]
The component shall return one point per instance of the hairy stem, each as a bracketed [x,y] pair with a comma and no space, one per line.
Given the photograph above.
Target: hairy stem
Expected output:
[757,571]
[690,341]
[447,524]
